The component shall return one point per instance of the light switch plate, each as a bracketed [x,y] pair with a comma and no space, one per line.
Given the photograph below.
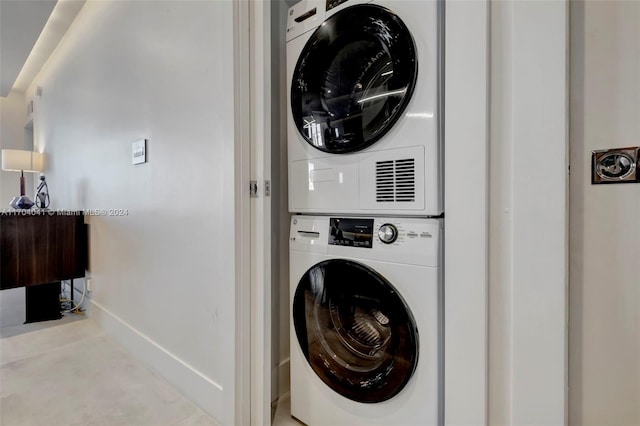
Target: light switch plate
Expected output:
[139,152]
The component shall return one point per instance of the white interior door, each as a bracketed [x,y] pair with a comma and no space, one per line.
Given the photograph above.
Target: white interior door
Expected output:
[253,147]
[242,394]
[261,231]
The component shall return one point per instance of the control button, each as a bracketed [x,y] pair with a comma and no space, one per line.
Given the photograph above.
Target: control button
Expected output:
[412,234]
[425,235]
[388,233]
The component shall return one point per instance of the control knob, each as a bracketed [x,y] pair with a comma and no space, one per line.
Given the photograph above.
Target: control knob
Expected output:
[388,233]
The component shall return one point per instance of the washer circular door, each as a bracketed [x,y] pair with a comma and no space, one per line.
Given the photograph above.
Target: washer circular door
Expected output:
[353,79]
[355,330]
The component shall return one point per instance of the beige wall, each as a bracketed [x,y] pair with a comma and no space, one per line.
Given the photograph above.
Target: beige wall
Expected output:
[12,120]
[604,346]
[163,271]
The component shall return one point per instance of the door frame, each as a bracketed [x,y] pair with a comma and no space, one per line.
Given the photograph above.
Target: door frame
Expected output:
[252,61]
[466,165]
[529,212]
[261,255]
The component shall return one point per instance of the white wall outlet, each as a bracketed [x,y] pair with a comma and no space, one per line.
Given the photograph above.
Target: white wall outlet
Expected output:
[89,284]
[139,152]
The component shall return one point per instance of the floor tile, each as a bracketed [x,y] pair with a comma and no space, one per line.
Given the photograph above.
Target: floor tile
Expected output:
[76,375]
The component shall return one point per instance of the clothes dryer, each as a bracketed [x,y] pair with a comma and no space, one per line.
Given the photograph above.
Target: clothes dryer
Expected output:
[366,320]
[364,113]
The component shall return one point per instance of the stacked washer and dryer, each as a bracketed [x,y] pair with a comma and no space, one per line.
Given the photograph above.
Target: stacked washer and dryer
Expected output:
[366,193]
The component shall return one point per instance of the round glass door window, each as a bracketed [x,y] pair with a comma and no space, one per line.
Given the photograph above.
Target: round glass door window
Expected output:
[353,79]
[355,330]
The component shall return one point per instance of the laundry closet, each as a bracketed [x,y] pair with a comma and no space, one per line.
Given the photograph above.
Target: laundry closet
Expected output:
[357,174]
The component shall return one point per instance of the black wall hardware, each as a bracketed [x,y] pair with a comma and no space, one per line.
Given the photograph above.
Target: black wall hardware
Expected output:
[617,165]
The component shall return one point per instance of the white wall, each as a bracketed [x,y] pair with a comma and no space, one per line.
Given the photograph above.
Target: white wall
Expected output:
[13,117]
[604,351]
[164,280]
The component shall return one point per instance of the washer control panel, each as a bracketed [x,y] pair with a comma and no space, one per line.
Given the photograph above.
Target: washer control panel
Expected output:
[413,241]
[388,233]
[400,232]
[361,232]
[351,232]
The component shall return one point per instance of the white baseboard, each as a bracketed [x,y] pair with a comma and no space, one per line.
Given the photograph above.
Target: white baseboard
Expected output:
[197,387]
[280,378]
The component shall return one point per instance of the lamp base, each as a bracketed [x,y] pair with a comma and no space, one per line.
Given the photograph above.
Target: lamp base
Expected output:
[22,202]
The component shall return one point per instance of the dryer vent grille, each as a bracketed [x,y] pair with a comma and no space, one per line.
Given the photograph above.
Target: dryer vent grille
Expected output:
[396,181]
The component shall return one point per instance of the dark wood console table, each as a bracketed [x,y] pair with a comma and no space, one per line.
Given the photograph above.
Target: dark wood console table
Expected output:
[38,249]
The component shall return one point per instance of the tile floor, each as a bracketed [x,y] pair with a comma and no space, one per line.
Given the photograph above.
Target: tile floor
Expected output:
[282,413]
[69,372]
[73,374]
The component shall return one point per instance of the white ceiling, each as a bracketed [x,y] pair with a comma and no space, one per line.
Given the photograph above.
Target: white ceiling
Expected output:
[30,30]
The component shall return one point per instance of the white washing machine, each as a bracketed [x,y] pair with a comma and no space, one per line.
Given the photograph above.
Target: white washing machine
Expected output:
[366,324]
[364,112]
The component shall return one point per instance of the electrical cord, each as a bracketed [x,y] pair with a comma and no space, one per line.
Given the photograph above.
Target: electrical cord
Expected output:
[72,302]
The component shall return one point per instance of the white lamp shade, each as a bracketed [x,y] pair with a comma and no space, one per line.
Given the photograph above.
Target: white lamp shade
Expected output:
[19,160]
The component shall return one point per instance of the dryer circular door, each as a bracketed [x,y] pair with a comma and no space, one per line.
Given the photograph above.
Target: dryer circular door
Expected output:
[353,79]
[355,330]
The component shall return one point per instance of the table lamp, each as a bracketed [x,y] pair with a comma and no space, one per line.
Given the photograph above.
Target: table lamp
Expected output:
[17,160]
